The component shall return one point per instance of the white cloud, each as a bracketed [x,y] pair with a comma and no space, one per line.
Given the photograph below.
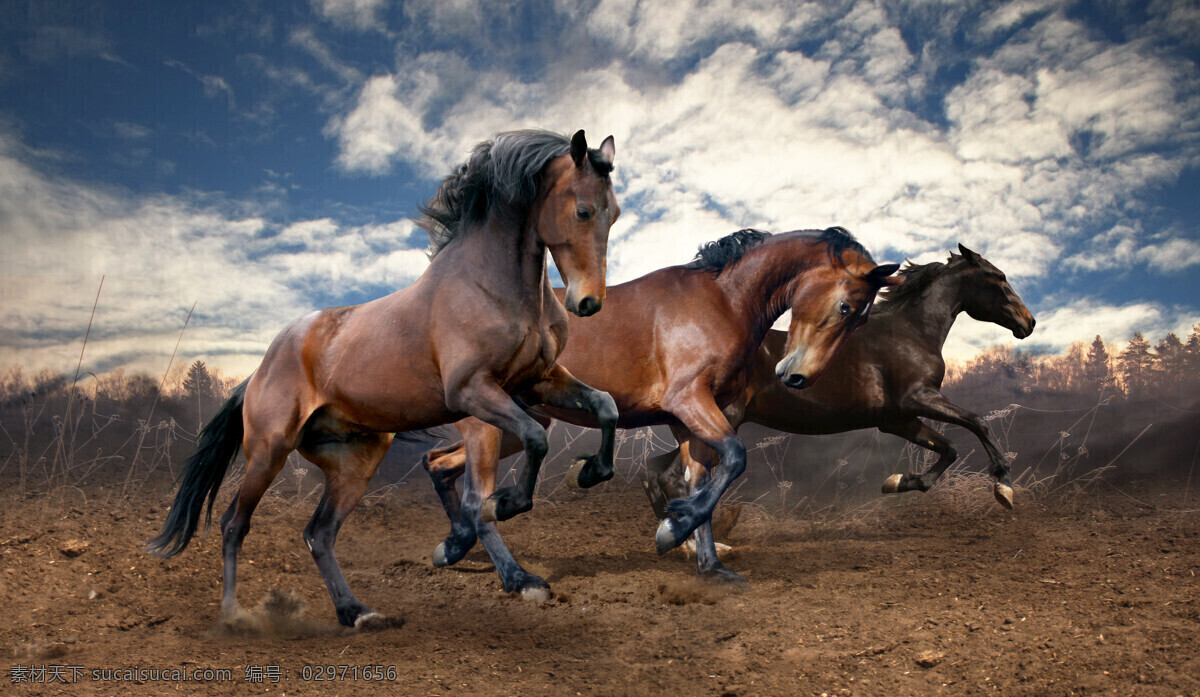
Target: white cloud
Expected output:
[756,135]
[358,14]
[158,256]
[1171,255]
[721,123]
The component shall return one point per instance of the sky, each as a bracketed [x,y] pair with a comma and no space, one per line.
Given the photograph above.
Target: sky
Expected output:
[262,159]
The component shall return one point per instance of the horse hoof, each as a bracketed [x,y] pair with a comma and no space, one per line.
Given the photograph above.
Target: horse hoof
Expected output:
[574,471]
[665,538]
[536,594]
[1004,495]
[725,577]
[892,484]
[488,511]
[374,622]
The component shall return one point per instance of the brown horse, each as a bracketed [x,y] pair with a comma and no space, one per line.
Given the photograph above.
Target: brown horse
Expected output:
[888,376]
[674,347]
[477,329]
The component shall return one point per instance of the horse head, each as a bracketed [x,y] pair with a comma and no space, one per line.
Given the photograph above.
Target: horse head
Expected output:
[578,206]
[986,296]
[830,301]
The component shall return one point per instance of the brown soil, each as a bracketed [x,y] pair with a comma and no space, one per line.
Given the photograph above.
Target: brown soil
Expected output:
[908,595]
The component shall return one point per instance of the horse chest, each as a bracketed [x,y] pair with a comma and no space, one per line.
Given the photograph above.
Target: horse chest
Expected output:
[535,352]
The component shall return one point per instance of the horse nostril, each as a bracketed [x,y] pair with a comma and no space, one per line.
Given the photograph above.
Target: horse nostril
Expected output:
[796,380]
[588,306]
[1032,323]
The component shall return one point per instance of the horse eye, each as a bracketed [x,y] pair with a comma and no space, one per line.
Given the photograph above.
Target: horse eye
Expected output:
[583,213]
[844,309]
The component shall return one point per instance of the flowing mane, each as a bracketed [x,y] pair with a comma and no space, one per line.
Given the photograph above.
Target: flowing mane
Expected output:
[837,240]
[718,255]
[917,279]
[501,175]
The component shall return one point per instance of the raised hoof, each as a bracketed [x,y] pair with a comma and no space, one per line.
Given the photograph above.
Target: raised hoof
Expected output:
[1004,495]
[574,471]
[375,622]
[724,577]
[892,484]
[666,539]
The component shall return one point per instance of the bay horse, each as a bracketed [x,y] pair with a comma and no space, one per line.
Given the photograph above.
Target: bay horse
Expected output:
[888,376]
[674,347]
[477,331]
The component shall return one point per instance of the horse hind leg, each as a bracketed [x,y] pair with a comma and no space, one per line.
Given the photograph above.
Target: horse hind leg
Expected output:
[348,465]
[920,434]
[263,461]
[444,466]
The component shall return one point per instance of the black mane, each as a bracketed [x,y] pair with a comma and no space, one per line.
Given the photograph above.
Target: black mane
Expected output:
[501,174]
[917,279]
[838,240]
[716,255]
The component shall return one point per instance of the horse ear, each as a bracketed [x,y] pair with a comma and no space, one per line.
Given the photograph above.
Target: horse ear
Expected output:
[608,149]
[882,275]
[579,148]
[968,254]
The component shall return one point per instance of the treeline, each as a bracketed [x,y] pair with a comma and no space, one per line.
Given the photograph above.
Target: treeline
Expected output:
[117,429]
[195,386]
[1169,370]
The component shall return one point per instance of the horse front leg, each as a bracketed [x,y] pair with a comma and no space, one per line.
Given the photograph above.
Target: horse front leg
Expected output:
[484,450]
[484,399]
[697,411]
[934,405]
[922,435]
[560,389]
[445,466]
[695,457]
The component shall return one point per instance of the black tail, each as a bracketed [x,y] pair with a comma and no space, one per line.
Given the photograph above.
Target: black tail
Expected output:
[219,444]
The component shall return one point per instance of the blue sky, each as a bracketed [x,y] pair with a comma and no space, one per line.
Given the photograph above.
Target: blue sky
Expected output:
[262,159]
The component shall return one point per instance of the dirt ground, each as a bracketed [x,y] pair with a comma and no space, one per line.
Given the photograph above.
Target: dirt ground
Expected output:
[942,593]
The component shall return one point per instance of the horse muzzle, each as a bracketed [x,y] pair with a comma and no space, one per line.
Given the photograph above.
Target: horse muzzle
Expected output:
[1024,327]
[791,378]
[587,306]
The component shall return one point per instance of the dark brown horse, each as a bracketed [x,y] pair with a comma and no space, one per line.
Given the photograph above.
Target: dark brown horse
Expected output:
[888,376]
[674,347]
[477,329]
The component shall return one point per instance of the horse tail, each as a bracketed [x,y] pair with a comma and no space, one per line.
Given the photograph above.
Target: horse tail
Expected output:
[219,444]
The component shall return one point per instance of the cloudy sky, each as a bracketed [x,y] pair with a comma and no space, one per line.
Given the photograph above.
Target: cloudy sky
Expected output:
[261,159]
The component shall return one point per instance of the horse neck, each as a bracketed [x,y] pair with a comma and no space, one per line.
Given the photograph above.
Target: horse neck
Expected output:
[508,258]
[934,314]
[760,285]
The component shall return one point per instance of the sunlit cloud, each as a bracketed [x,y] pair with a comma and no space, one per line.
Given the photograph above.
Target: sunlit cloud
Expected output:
[1040,144]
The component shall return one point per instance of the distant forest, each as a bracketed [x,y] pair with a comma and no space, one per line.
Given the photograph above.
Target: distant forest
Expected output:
[1170,370]
[127,430]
